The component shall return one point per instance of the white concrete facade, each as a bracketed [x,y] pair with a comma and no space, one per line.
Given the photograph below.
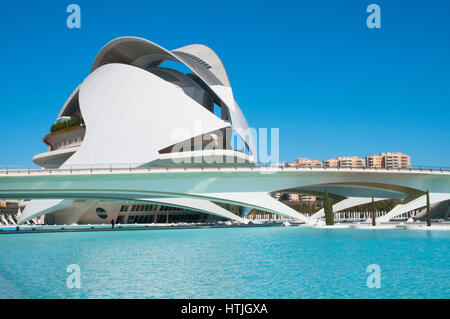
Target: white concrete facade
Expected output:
[132,109]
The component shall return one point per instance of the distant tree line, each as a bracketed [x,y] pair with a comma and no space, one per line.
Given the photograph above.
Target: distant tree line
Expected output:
[380,206]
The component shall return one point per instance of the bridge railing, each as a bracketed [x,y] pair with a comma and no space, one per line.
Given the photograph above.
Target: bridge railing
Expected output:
[139,167]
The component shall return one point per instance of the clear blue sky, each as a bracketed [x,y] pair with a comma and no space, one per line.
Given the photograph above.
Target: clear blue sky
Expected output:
[311,68]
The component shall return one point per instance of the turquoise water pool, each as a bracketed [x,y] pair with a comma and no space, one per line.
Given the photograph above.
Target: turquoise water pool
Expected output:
[272,262]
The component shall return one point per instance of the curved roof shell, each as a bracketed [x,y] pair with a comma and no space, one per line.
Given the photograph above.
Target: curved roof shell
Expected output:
[200,59]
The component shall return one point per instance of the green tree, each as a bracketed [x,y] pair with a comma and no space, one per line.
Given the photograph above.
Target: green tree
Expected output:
[373,213]
[329,216]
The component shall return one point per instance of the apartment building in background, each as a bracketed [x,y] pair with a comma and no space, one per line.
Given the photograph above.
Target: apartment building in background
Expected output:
[295,197]
[382,160]
[388,160]
[308,198]
[344,162]
[305,162]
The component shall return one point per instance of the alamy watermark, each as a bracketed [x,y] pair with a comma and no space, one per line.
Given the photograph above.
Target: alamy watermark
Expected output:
[74,279]
[73,21]
[374,19]
[374,279]
[223,146]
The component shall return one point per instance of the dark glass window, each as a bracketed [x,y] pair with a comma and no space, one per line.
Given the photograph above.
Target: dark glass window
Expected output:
[101,213]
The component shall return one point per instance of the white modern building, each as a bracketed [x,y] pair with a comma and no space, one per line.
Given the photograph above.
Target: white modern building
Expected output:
[137,109]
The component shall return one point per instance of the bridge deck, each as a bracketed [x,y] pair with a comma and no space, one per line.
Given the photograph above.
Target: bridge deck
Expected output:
[260,169]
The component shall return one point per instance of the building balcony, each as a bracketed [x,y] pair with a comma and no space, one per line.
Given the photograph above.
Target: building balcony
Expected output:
[66,138]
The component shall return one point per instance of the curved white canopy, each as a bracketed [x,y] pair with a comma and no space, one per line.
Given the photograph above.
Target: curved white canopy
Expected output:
[202,60]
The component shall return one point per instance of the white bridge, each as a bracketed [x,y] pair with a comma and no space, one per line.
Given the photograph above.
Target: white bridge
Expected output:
[248,187]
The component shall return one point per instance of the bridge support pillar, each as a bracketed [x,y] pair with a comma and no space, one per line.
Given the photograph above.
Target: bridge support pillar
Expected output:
[344,204]
[258,200]
[416,203]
